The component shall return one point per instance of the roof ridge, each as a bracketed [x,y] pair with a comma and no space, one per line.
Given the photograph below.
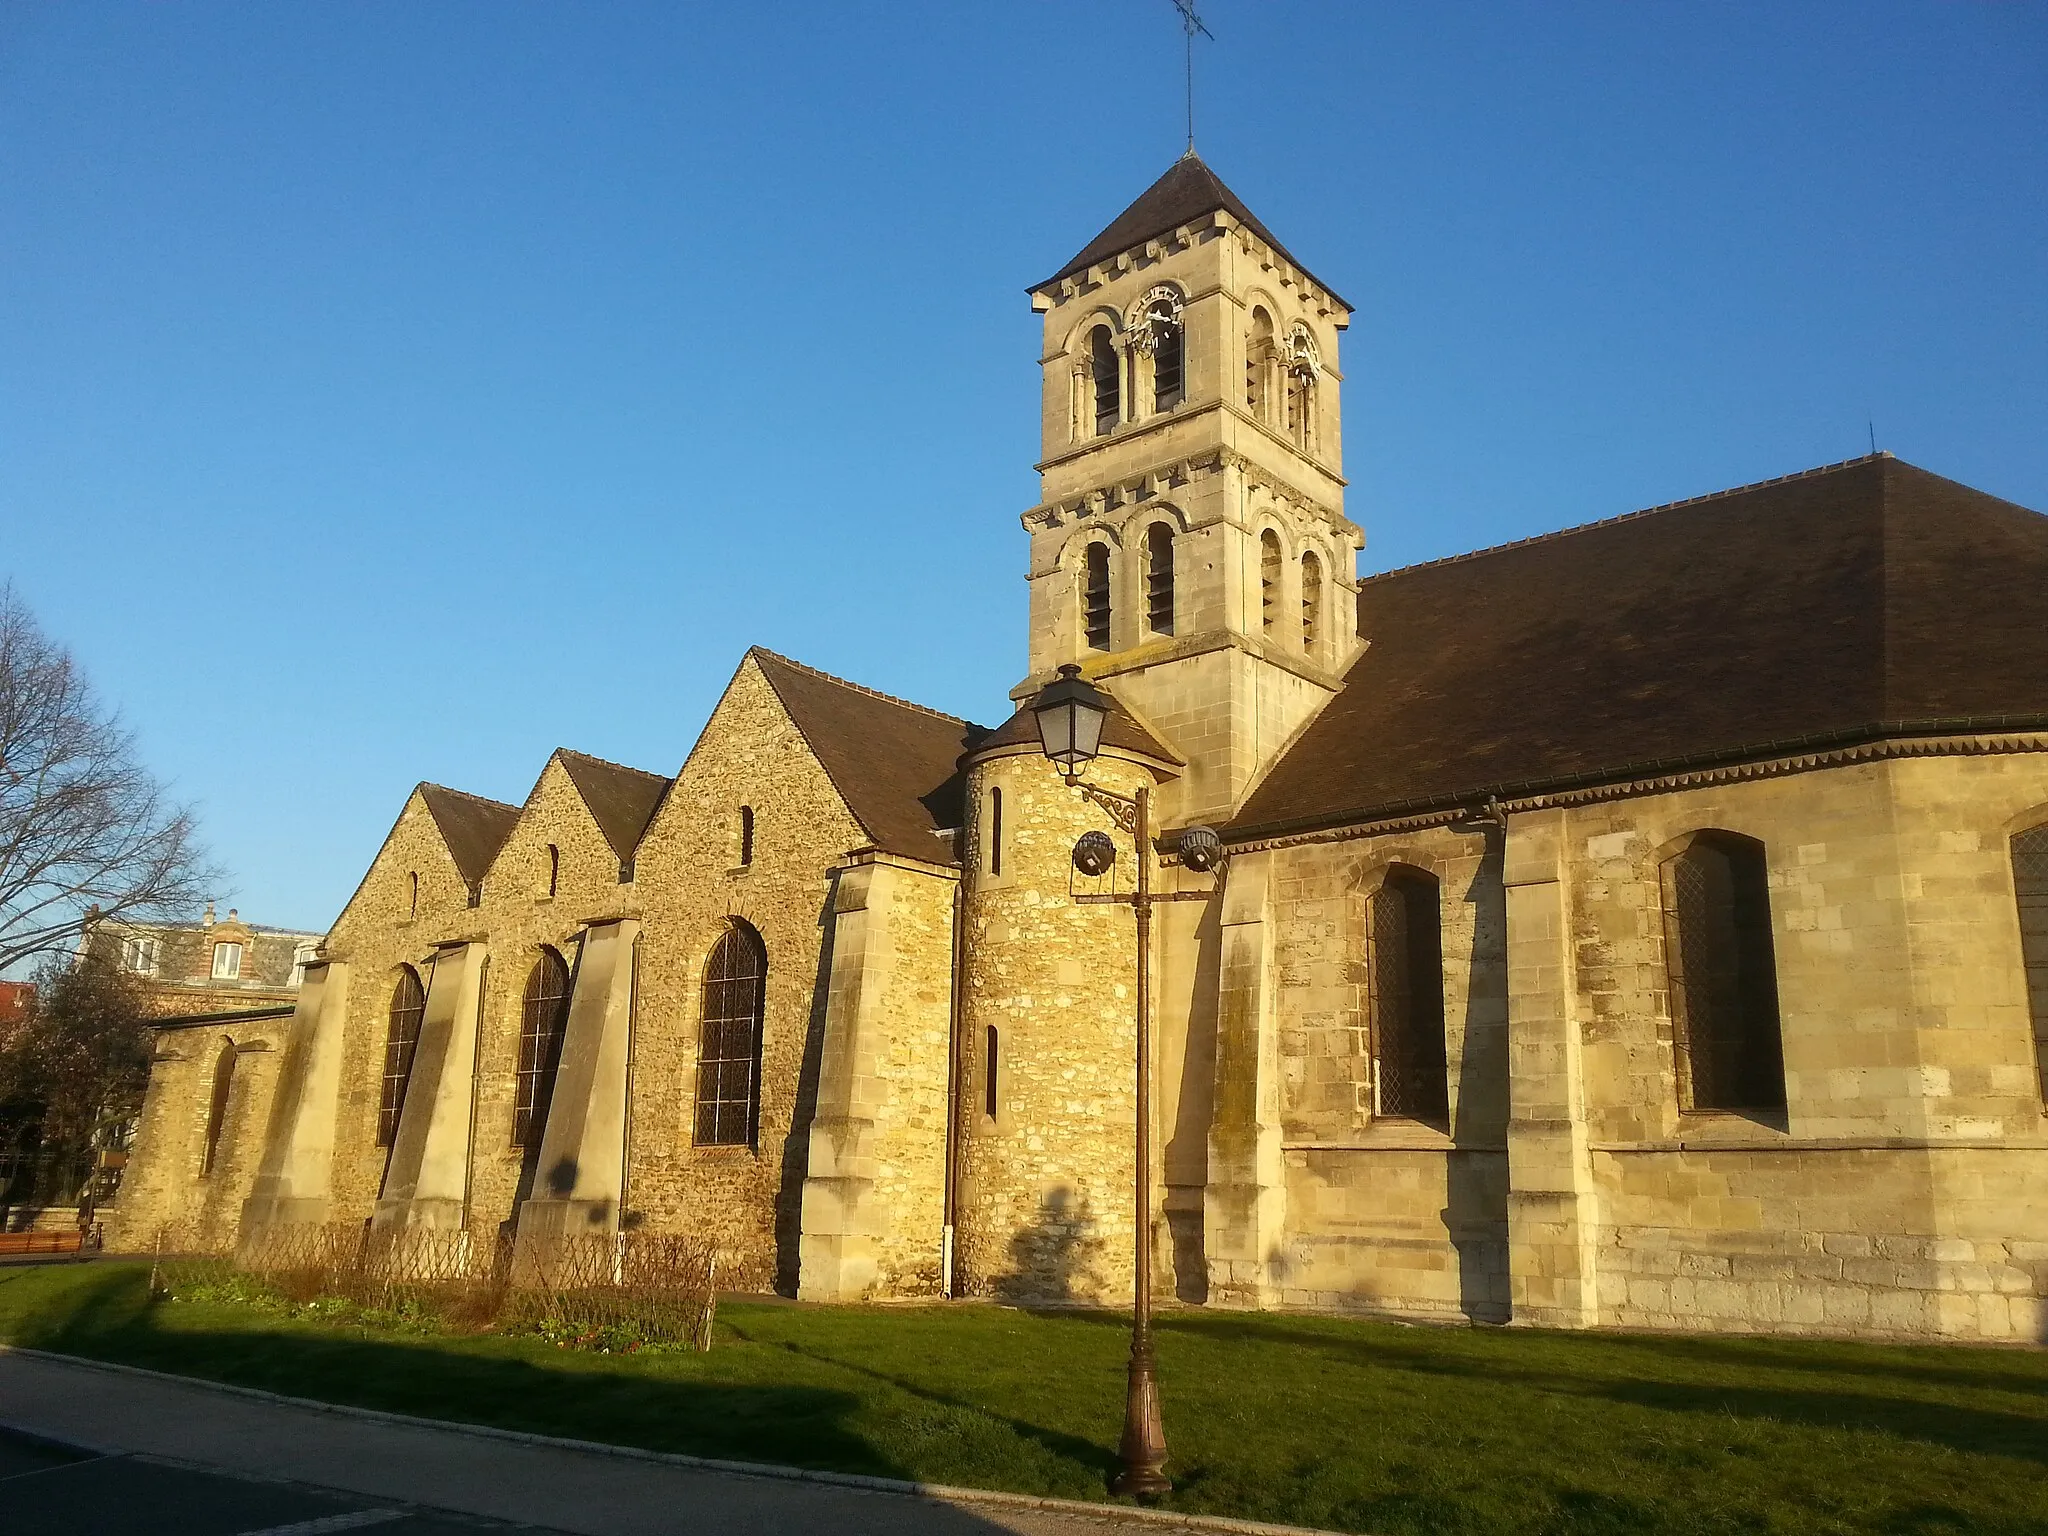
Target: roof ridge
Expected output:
[873,693]
[447,789]
[1625,517]
[605,762]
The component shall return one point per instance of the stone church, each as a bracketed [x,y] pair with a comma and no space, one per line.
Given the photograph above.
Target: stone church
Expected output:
[1645,924]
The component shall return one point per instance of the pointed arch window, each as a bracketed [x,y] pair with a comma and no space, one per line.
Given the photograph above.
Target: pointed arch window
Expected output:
[1311,602]
[401,1040]
[543,1021]
[217,1107]
[1405,972]
[1722,972]
[2030,884]
[1105,366]
[1269,581]
[1095,597]
[1159,579]
[729,1043]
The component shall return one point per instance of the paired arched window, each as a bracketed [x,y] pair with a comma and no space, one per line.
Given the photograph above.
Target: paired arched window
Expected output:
[1169,354]
[2030,884]
[729,1042]
[1104,369]
[1095,597]
[217,1107]
[746,849]
[1159,579]
[995,831]
[1311,602]
[543,1020]
[1269,581]
[401,1040]
[1405,977]
[1723,975]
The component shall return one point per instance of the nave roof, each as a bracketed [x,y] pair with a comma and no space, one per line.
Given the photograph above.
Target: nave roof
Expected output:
[473,828]
[1849,603]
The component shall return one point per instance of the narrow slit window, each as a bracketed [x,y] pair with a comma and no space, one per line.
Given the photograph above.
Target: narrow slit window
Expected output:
[746,836]
[401,1040]
[1095,598]
[217,1109]
[413,909]
[1269,581]
[2030,884]
[1311,603]
[1405,971]
[991,1082]
[995,831]
[543,1021]
[1159,579]
[554,868]
[1722,972]
[1105,365]
[729,1042]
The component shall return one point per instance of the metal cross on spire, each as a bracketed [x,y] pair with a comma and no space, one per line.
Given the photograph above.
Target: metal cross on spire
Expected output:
[1191,24]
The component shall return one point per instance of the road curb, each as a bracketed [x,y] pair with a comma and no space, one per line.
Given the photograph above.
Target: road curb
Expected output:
[937,1492]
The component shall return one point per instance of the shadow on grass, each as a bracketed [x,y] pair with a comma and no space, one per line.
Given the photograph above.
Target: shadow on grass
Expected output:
[1951,1425]
[581,1397]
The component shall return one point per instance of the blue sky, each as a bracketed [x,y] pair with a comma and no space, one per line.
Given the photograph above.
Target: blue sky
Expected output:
[399,390]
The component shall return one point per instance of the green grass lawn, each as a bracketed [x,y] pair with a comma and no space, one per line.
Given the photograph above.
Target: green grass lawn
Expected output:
[1353,1425]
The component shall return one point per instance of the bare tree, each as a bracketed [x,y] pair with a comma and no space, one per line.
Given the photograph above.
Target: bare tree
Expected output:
[79,1060]
[82,824]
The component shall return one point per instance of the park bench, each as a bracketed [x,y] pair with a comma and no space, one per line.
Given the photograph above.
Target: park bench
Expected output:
[64,1240]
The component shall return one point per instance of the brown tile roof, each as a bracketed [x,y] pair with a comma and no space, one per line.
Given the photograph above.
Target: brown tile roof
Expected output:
[1121,729]
[896,764]
[1852,602]
[473,828]
[1187,191]
[621,800]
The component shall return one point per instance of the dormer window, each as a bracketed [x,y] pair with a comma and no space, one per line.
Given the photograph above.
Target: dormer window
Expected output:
[139,955]
[227,962]
[1105,366]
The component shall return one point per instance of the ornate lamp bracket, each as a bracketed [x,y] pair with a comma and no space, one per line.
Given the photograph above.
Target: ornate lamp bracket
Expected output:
[1122,809]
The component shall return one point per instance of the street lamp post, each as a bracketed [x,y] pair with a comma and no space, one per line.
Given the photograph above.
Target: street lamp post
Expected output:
[1070,713]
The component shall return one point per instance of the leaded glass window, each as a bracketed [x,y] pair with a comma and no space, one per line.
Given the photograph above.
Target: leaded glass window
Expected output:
[1405,974]
[729,1044]
[1723,975]
[401,1040]
[543,1020]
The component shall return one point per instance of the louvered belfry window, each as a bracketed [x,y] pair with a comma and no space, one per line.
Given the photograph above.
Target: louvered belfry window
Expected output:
[729,1046]
[1169,354]
[2030,884]
[1311,602]
[401,1040]
[543,1021]
[1405,973]
[1269,581]
[1095,598]
[1104,366]
[1723,975]
[1159,579]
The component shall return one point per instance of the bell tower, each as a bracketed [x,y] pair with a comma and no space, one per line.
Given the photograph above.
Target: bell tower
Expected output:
[1190,548]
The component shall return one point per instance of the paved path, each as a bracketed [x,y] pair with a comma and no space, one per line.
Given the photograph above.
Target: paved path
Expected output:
[550,1485]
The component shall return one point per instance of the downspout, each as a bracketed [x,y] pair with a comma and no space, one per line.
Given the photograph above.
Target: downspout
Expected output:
[949,1253]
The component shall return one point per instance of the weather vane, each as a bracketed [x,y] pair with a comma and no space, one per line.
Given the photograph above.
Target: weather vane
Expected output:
[1191,24]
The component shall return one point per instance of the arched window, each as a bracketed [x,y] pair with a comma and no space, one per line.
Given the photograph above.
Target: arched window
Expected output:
[401,1039]
[1159,579]
[729,1044]
[995,831]
[1169,353]
[554,868]
[991,1084]
[1095,598]
[543,1019]
[1269,581]
[1258,366]
[1723,975]
[217,1109]
[746,836]
[1304,366]
[1105,365]
[2030,883]
[1311,602]
[1405,972]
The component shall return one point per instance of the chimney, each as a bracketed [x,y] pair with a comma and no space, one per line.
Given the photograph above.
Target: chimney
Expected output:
[234,916]
[208,920]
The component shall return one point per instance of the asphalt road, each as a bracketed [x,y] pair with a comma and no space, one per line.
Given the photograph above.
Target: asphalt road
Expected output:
[158,1455]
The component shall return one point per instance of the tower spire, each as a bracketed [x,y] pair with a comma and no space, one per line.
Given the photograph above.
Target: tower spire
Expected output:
[1191,23]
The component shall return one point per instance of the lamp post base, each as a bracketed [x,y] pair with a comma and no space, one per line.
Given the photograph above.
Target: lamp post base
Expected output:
[1143,1450]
